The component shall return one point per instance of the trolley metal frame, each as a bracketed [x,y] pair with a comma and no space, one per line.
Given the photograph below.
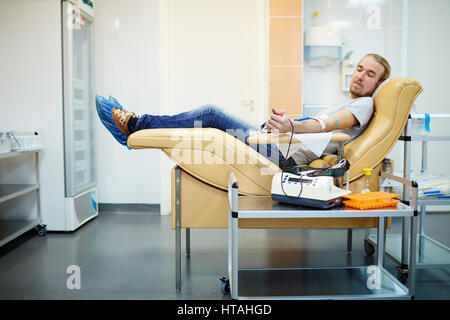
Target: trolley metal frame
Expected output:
[13,228]
[256,283]
[430,253]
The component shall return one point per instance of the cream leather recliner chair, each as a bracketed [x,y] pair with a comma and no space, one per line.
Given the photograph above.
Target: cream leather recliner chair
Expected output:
[206,156]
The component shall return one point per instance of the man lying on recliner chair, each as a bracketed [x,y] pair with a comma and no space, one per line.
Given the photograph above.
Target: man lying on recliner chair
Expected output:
[350,117]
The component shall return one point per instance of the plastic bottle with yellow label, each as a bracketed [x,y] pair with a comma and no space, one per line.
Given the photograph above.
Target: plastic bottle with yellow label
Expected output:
[367,175]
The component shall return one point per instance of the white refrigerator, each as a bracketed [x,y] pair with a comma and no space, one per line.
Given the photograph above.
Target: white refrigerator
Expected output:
[47,85]
[78,96]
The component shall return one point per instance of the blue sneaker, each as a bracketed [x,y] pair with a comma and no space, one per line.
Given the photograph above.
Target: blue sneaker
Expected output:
[107,112]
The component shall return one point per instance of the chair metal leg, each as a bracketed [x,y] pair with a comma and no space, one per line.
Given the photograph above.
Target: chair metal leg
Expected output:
[423,212]
[412,257]
[177,230]
[349,240]
[188,242]
[340,182]
[406,194]
[381,241]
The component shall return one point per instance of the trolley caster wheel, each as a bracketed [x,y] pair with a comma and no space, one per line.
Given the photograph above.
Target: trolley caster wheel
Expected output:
[41,230]
[369,248]
[402,274]
[225,286]
[403,277]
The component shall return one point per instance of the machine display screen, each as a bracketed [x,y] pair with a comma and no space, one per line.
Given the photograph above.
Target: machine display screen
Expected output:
[299,180]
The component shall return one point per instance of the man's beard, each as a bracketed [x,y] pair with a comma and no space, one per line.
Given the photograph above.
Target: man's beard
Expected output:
[357,93]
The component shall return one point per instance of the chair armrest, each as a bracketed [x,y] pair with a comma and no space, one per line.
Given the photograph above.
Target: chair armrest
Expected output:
[268,138]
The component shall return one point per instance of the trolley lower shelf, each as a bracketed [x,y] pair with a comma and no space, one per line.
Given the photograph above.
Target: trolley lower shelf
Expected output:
[367,282]
[11,229]
[429,252]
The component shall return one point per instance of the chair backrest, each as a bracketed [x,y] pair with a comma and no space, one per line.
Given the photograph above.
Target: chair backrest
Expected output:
[392,105]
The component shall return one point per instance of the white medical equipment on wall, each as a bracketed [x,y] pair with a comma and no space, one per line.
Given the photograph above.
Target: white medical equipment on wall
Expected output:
[323,46]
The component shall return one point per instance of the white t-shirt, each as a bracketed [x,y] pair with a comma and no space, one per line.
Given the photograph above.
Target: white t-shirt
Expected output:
[362,109]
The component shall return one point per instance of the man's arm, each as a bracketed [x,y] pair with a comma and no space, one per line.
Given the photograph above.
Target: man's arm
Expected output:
[278,121]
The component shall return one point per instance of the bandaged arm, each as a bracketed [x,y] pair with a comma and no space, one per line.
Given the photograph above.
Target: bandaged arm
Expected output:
[344,119]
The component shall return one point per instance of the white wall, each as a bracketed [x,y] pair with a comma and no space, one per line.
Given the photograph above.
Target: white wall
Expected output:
[428,51]
[126,67]
[217,55]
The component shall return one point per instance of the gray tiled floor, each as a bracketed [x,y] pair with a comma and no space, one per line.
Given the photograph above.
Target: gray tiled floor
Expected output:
[130,255]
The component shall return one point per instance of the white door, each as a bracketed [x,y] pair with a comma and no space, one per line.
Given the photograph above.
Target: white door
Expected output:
[212,52]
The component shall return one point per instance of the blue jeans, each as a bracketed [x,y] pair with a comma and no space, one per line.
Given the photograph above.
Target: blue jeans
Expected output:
[211,116]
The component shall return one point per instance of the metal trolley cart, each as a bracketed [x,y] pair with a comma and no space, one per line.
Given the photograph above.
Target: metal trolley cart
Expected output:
[19,195]
[350,282]
[430,253]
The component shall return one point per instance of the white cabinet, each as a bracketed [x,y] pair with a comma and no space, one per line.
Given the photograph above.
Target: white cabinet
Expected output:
[19,195]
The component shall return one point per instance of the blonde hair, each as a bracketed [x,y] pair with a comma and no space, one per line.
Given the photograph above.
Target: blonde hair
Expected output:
[384,63]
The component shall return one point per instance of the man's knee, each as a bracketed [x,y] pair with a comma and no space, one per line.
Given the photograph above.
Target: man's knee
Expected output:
[212,108]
